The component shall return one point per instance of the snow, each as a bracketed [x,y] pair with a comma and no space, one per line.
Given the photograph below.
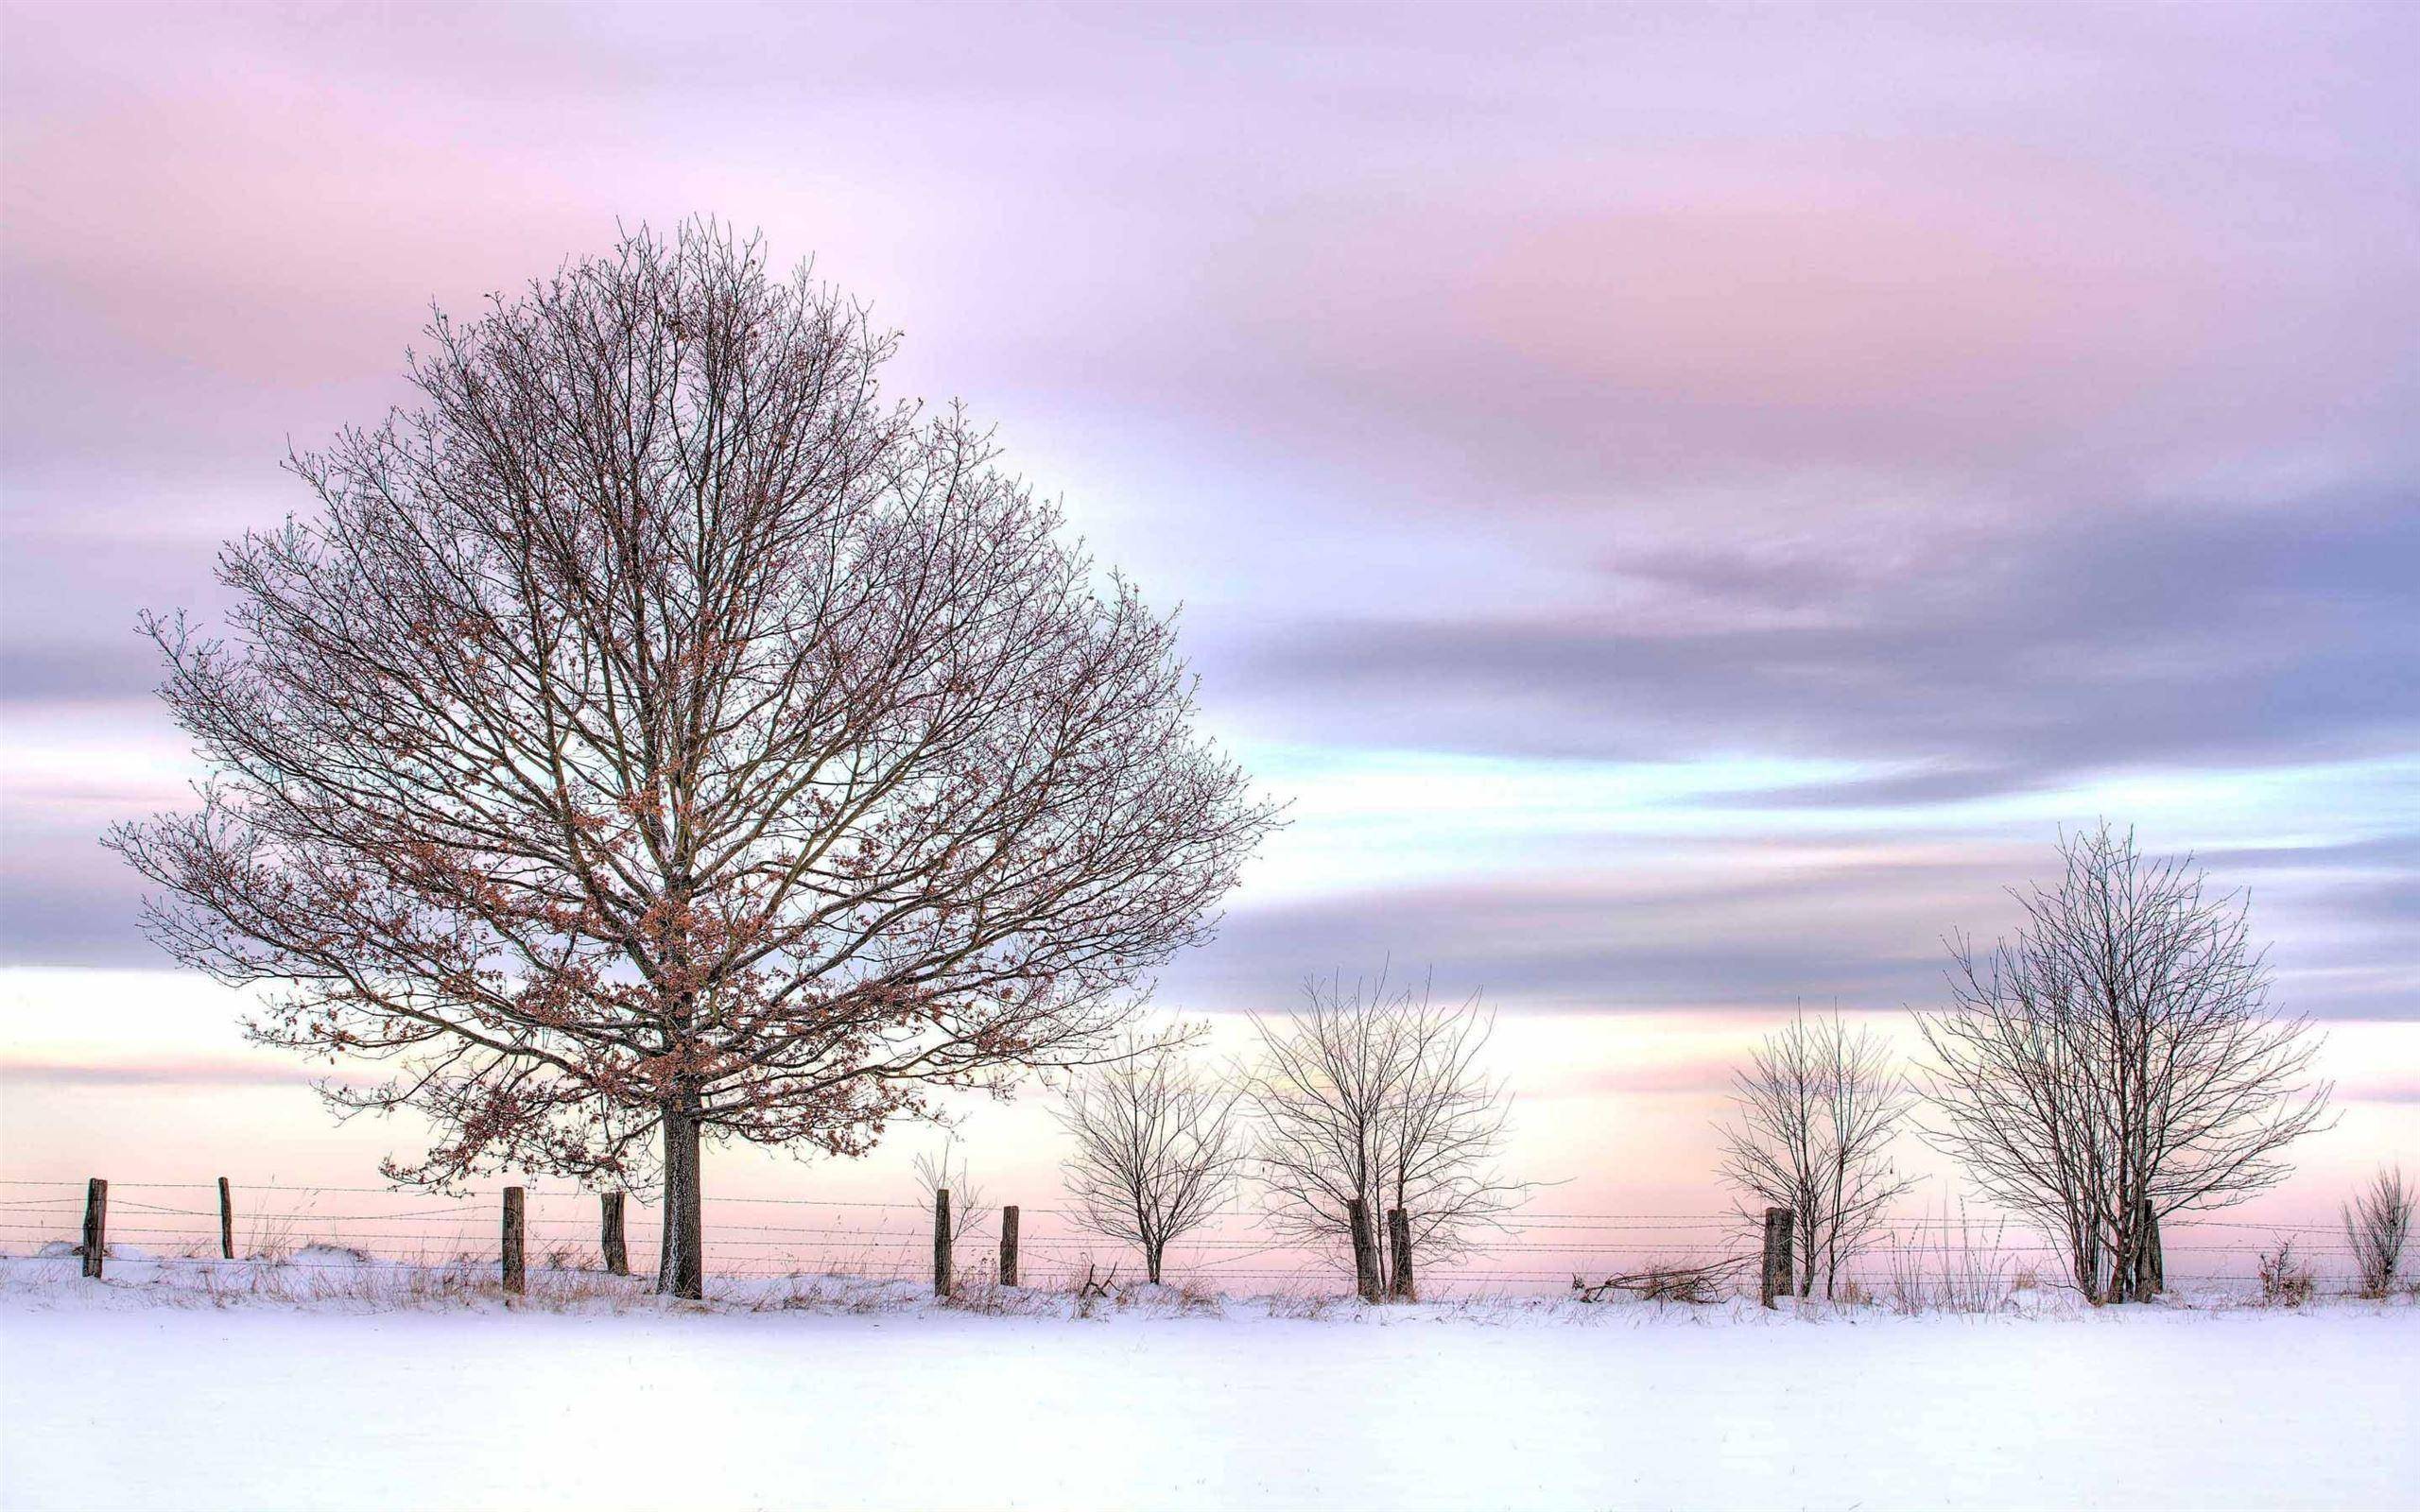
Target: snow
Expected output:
[240,1386]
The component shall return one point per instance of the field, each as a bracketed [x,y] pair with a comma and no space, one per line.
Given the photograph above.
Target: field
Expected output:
[242,1386]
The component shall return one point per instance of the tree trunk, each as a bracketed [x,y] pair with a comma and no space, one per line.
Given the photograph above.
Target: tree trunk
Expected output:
[612,1240]
[681,1271]
[2129,1270]
[2083,1258]
[1365,1249]
[944,1255]
[1151,1254]
[1776,1271]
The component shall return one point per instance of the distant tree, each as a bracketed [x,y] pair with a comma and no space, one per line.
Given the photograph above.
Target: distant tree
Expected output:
[2117,1060]
[657,737]
[1158,1148]
[1813,1119]
[1380,1092]
[2378,1226]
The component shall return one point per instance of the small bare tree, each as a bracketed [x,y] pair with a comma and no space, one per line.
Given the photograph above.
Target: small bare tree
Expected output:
[1158,1147]
[1813,1118]
[2377,1225]
[2117,1060]
[944,1170]
[1379,1093]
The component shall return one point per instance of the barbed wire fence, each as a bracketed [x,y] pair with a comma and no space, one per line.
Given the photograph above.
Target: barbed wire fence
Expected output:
[173,1223]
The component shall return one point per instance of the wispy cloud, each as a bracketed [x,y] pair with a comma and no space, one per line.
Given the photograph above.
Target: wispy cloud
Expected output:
[139,1073]
[1913,425]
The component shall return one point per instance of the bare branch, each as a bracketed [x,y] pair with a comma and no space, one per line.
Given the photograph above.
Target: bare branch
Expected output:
[1813,1117]
[1159,1147]
[2117,1060]
[656,731]
[1378,1093]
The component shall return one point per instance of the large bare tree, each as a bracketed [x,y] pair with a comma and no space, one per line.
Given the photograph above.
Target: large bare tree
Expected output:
[1158,1147]
[1814,1114]
[2117,1060]
[1381,1093]
[658,737]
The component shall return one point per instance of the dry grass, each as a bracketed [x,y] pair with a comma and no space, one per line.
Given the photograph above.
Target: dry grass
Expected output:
[269,1236]
[2286,1279]
[320,1276]
[1306,1307]
[1962,1269]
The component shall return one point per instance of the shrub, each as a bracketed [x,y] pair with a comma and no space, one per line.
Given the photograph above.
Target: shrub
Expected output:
[2377,1225]
[2285,1277]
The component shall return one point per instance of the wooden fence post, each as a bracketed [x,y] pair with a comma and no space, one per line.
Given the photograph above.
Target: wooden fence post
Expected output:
[225,1221]
[1009,1245]
[941,1242]
[1775,1280]
[1365,1250]
[97,1225]
[516,1274]
[1399,1252]
[614,1244]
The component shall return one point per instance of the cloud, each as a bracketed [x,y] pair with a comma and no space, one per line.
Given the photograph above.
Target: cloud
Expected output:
[1753,927]
[2135,639]
[1768,931]
[1980,398]
[124,671]
[150,1074]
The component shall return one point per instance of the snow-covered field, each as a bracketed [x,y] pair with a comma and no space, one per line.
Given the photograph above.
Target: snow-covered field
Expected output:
[232,1387]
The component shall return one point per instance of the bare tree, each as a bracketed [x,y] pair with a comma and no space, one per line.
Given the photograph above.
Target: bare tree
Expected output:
[1813,1118]
[1158,1147]
[657,737]
[2377,1225]
[944,1170]
[1379,1093]
[2117,1060]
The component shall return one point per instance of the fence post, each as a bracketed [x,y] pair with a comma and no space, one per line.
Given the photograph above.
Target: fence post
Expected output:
[97,1225]
[225,1221]
[614,1244]
[1775,1282]
[516,1274]
[1009,1245]
[1365,1250]
[941,1242]
[1399,1252]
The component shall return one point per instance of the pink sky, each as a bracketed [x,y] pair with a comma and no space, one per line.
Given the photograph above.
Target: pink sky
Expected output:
[1685,500]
